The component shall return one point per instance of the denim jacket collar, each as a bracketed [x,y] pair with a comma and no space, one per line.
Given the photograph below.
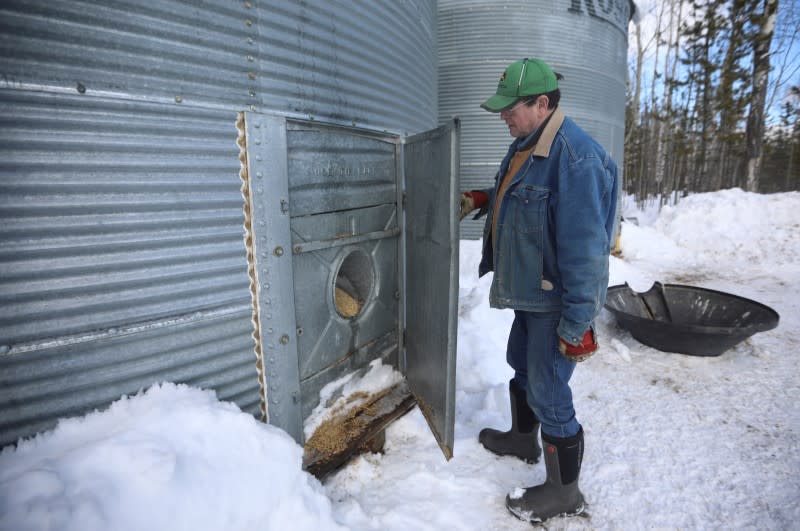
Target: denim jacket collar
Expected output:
[542,138]
[549,134]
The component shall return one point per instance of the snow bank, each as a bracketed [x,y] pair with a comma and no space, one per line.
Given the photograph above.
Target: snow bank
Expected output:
[170,458]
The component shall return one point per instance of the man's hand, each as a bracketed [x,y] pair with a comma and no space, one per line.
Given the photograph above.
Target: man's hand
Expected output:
[472,200]
[580,352]
[467,204]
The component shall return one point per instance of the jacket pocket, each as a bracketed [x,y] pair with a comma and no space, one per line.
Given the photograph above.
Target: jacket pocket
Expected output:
[530,208]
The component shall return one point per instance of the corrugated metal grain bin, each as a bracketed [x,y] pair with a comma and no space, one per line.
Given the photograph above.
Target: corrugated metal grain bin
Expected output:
[123,259]
[585,40]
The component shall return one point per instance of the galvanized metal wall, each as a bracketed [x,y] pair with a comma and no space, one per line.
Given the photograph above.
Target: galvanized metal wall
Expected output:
[585,40]
[365,63]
[122,259]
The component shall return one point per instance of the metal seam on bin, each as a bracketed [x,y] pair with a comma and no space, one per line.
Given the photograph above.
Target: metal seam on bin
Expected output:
[241,141]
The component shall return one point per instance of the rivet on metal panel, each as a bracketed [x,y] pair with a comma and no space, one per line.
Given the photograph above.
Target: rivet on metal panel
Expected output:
[299,331]
[251,75]
[260,191]
[268,301]
[262,223]
[269,316]
[258,157]
[81,88]
[274,399]
[278,251]
[249,40]
[251,58]
[297,249]
[248,22]
[258,141]
[271,360]
[178,99]
[266,285]
[259,174]
[284,339]
[269,330]
[248,5]
[252,93]
[253,108]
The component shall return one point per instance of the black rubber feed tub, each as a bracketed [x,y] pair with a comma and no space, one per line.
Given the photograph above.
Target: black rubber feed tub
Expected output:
[687,319]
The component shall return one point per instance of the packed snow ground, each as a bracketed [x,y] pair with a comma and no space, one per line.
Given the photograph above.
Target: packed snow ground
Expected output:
[672,441]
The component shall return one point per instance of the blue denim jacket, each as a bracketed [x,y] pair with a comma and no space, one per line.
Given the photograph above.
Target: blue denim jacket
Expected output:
[554,228]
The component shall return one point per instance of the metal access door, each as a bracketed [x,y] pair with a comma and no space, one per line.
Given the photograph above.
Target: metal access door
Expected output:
[431,275]
[325,212]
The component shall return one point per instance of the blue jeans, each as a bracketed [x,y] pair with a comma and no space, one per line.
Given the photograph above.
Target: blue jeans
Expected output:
[542,371]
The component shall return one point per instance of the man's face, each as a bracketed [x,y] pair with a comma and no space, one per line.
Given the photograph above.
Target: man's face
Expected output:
[524,119]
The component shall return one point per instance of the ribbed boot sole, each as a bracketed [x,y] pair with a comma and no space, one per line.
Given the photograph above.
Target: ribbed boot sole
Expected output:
[529,516]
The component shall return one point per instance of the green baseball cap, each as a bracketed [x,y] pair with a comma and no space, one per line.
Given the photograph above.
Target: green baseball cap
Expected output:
[527,77]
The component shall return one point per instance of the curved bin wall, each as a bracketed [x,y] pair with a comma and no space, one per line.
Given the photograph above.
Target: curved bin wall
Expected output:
[123,260]
[585,40]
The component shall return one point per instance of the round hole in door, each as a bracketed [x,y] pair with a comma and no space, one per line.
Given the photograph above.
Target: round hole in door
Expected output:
[353,286]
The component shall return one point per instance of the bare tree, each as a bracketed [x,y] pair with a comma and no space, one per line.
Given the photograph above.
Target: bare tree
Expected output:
[670,75]
[754,133]
[784,64]
[635,97]
[729,102]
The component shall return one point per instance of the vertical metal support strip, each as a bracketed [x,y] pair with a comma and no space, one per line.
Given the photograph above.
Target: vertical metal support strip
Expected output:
[269,254]
[241,141]
[401,253]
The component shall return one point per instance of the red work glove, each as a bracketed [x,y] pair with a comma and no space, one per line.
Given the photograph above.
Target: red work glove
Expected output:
[580,352]
[472,200]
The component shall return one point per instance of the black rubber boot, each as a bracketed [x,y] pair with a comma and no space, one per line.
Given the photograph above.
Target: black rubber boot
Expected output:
[522,440]
[559,494]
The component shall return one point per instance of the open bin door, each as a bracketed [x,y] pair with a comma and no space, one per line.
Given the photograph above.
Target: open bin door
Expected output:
[431,165]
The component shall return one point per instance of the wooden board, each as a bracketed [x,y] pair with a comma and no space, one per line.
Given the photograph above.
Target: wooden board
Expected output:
[346,434]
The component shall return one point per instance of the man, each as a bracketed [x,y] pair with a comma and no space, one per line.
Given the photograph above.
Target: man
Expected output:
[549,228]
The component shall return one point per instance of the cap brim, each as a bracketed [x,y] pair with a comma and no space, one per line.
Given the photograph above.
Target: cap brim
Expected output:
[499,103]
